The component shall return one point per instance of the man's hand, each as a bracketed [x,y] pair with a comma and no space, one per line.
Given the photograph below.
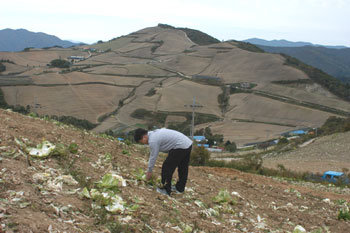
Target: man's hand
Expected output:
[148,175]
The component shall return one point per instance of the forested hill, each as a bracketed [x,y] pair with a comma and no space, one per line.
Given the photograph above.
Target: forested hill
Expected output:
[335,62]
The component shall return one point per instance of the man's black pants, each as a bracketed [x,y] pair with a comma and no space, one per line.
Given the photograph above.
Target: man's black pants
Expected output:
[180,159]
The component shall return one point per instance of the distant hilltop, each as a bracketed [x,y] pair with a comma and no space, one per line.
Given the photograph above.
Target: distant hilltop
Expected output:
[16,40]
[286,43]
[333,60]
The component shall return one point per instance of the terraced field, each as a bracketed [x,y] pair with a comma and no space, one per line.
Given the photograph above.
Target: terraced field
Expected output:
[153,69]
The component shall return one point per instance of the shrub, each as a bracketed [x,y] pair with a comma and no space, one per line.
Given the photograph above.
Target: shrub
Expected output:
[60,63]
[73,148]
[3,103]
[165,26]
[83,124]
[157,45]
[230,146]
[335,124]
[218,138]
[6,61]
[344,214]
[199,156]
[223,197]
[2,67]
[27,49]
[224,99]
[282,141]
[151,92]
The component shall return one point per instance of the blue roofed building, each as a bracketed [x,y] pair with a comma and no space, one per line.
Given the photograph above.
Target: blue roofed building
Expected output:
[199,138]
[295,132]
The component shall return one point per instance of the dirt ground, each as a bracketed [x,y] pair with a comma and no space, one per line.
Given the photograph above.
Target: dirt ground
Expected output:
[35,199]
[323,154]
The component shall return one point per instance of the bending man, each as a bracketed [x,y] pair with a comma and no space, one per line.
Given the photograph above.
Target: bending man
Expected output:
[179,149]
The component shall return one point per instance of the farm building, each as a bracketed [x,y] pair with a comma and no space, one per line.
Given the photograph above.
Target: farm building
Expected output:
[295,132]
[199,138]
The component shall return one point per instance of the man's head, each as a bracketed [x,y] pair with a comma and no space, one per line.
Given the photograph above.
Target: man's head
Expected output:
[141,136]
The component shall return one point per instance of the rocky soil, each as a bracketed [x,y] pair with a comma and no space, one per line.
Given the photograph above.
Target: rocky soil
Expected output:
[93,183]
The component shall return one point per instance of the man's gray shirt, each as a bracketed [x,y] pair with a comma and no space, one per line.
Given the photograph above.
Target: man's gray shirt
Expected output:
[164,140]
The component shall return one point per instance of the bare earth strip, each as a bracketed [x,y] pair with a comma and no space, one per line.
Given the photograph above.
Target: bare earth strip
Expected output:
[257,108]
[244,132]
[13,68]
[138,100]
[79,77]
[113,58]
[176,96]
[186,64]
[242,66]
[84,102]
[107,69]
[321,96]
[145,52]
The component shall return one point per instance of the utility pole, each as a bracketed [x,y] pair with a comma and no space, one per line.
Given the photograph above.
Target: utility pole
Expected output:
[193,106]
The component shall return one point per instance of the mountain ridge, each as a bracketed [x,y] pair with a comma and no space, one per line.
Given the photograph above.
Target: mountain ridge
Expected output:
[14,40]
[286,43]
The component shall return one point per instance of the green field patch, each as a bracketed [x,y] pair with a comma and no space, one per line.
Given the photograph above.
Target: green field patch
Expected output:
[159,118]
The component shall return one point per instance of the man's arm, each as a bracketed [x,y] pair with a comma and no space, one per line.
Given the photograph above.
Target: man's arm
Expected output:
[154,148]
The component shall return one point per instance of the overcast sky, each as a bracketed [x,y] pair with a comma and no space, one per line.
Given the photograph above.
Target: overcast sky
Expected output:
[323,22]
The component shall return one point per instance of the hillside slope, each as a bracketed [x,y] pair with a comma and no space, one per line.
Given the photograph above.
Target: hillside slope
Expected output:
[326,153]
[157,71]
[46,195]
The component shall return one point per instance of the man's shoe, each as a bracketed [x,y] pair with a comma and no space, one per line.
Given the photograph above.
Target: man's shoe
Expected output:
[162,191]
[174,189]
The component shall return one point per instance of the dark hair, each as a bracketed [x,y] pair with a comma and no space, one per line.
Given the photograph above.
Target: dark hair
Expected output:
[139,134]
